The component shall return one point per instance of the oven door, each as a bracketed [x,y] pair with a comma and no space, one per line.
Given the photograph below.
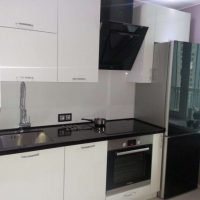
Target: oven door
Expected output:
[128,166]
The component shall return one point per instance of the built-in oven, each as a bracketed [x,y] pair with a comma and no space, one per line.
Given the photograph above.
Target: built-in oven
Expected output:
[129,163]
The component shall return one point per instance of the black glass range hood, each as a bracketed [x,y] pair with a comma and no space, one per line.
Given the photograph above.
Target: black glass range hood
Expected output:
[119,44]
[117,10]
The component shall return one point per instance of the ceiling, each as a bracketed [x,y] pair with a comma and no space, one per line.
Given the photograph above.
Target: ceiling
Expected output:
[177,4]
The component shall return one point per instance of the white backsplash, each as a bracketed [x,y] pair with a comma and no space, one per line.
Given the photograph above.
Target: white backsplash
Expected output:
[112,97]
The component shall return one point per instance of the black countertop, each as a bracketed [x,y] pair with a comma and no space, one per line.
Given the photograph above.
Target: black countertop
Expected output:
[37,138]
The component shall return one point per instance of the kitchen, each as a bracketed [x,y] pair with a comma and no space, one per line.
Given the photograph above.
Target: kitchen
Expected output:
[76,92]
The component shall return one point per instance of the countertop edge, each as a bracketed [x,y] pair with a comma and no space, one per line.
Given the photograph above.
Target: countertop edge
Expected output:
[14,150]
[70,143]
[64,124]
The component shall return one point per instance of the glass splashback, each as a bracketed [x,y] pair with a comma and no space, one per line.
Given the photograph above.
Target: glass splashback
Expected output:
[185,86]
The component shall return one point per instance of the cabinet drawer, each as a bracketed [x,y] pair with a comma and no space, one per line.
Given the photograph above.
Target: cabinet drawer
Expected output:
[40,15]
[131,194]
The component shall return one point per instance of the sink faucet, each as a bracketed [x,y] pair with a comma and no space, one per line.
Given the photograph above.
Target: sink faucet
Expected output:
[24,121]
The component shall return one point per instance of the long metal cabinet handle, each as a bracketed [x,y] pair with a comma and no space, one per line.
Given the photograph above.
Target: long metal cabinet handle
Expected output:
[79,79]
[24,24]
[132,151]
[30,156]
[87,147]
[24,78]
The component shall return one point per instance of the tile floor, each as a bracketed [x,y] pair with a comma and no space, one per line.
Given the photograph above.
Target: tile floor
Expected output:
[194,195]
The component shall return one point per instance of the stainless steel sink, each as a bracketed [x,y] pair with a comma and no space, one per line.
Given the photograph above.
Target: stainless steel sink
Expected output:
[24,139]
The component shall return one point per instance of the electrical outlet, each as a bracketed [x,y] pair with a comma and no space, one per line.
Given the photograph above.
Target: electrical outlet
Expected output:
[65,117]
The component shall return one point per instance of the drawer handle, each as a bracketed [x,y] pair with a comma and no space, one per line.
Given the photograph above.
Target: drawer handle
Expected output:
[24,24]
[31,156]
[25,78]
[87,147]
[79,79]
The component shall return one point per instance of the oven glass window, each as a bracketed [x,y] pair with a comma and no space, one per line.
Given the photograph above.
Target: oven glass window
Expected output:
[129,166]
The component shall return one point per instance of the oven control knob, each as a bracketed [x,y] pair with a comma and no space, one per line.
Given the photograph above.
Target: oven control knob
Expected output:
[138,142]
[124,144]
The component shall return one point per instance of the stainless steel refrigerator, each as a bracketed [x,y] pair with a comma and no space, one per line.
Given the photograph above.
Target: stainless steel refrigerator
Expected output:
[173,101]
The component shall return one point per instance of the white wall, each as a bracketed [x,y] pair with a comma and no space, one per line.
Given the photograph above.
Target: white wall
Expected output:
[112,97]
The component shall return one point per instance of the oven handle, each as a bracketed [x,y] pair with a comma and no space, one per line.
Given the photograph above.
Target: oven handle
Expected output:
[132,151]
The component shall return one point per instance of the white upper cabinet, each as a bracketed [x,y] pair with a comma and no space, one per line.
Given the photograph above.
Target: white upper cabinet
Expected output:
[164,24]
[36,175]
[40,15]
[78,40]
[28,37]
[27,55]
[141,72]
[172,25]
[49,40]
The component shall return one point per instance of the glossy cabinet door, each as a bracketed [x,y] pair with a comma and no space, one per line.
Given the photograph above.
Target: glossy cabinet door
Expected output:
[165,25]
[40,15]
[182,165]
[185,89]
[142,67]
[156,163]
[85,171]
[36,175]
[78,40]
[172,25]
[27,55]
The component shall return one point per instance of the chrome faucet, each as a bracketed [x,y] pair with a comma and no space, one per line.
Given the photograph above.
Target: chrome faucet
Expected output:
[24,121]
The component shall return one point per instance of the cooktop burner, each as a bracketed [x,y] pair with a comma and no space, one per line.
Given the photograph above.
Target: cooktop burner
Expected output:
[68,129]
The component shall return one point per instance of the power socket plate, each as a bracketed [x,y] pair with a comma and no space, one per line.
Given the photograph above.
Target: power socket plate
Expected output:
[65,117]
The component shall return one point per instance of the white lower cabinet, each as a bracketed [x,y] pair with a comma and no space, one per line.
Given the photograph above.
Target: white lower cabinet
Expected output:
[156,162]
[85,171]
[36,175]
[79,169]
